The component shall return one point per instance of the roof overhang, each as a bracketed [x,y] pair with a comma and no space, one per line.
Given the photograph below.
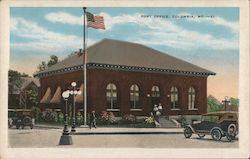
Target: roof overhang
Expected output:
[125,68]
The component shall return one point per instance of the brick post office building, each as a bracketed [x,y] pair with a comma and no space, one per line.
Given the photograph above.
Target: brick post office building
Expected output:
[128,78]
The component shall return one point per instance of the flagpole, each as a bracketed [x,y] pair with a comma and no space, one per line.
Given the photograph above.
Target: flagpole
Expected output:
[84,70]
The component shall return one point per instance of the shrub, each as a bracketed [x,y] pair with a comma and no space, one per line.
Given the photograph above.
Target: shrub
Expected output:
[49,115]
[149,120]
[60,117]
[35,113]
[128,118]
[79,118]
[183,122]
[107,117]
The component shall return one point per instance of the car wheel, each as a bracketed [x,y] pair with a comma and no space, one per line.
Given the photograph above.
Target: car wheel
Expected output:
[201,135]
[216,134]
[188,132]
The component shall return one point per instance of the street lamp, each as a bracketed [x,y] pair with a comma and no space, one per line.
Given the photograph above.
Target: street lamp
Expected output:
[74,92]
[65,139]
[226,102]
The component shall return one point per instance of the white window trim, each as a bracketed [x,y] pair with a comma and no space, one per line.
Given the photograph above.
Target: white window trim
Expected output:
[136,110]
[175,109]
[193,109]
[113,110]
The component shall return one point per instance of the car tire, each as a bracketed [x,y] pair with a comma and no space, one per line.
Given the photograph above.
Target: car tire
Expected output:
[187,132]
[216,134]
[201,135]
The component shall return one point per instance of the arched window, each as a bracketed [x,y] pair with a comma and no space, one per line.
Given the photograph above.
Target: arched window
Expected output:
[111,95]
[174,98]
[191,98]
[134,96]
[155,91]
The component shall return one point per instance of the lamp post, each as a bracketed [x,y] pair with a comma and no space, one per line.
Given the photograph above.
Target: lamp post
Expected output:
[74,92]
[226,102]
[65,139]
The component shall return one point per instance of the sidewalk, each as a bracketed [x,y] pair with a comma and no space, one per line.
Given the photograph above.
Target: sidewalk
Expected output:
[102,130]
[105,130]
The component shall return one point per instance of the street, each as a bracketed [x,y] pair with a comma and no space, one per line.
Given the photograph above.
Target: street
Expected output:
[42,137]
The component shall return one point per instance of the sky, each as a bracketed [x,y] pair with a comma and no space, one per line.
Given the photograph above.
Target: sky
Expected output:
[207,37]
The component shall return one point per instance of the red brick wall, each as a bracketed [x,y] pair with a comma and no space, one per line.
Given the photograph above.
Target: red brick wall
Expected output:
[98,80]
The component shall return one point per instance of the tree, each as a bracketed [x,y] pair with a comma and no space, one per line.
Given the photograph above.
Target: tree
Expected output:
[234,102]
[53,60]
[15,80]
[32,97]
[42,66]
[213,104]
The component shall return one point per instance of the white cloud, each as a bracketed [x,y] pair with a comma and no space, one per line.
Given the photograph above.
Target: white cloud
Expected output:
[162,31]
[65,18]
[233,25]
[43,39]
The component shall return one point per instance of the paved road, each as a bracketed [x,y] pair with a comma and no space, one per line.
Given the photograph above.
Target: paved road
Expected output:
[51,137]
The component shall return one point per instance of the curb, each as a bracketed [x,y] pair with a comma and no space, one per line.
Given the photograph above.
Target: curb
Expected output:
[112,133]
[123,133]
[47,127]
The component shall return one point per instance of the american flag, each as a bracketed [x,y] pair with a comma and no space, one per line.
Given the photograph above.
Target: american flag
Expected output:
[98,23]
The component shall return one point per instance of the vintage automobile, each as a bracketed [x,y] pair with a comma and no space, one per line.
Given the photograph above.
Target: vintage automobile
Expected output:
[217,124]
[20,118]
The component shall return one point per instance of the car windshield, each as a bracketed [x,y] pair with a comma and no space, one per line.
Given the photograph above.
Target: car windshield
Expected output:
[211,118]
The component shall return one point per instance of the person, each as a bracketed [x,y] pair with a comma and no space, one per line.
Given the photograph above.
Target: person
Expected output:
[92,119]
[156,114]
[160,107]
[155,109]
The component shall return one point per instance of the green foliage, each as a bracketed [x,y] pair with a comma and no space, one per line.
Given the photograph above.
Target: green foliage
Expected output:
[149,120]
[36,113]
[234,102]
[60,117]
[128,118]
[53,60]
[183,121]
[15,80]
[213,104]
[79,118]
[106,118]
[42,66]
[49,115]
[32,97]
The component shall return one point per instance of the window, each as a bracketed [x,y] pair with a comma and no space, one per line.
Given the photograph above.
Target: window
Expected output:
[191,98]
[111,96]
[155,91]
[134,96]
[174,98]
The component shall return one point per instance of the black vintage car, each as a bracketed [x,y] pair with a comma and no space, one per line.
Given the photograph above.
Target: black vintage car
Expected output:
[20,118]
[217,124]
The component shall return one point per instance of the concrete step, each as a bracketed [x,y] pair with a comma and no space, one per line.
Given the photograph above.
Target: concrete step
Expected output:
[165,123]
